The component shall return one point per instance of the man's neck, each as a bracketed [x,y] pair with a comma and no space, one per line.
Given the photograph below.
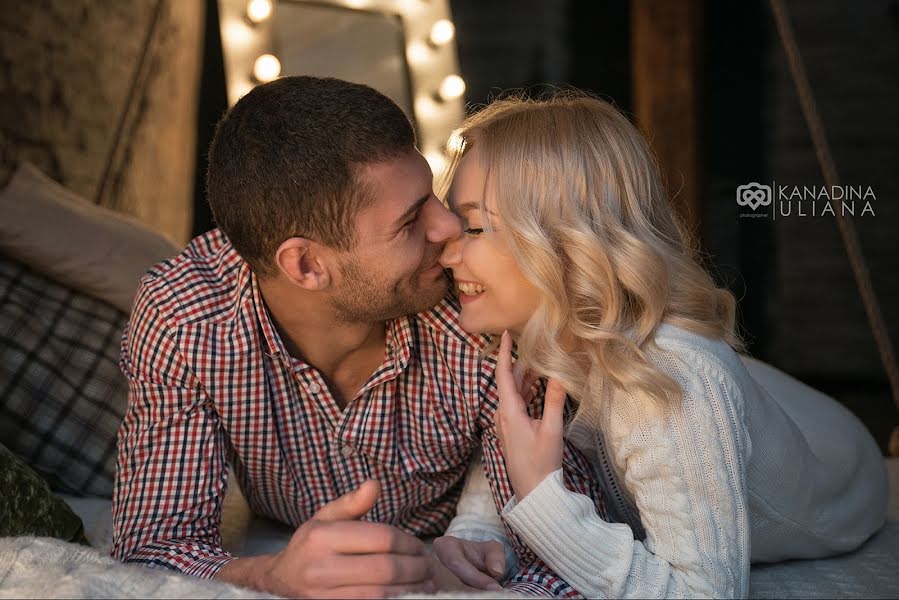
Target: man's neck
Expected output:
[346,354]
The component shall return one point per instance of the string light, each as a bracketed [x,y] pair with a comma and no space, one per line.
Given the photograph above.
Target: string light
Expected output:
[266,68]
[451,88]
[258,11]
[238,34]
[248,35]
[417,52]
[442,32]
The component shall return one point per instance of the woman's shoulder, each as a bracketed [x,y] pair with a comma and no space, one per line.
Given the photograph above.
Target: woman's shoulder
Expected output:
[682,349]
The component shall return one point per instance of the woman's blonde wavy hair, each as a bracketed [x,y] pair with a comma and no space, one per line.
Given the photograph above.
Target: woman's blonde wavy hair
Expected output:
[588,220]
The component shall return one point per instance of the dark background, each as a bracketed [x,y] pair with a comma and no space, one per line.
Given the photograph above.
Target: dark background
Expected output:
[799,307]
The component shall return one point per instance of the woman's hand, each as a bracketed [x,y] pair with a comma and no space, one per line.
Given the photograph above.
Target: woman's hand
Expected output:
[532,447]
[476,564]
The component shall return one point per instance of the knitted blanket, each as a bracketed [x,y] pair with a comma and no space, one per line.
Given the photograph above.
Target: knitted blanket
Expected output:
[33,567]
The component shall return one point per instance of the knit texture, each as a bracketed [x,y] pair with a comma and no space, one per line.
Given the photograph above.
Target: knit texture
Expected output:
[749,465]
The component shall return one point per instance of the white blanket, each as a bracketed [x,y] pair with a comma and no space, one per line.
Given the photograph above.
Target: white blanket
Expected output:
[47,568]
[33,567]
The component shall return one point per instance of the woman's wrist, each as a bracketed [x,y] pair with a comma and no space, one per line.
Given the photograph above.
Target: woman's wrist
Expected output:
[530,484]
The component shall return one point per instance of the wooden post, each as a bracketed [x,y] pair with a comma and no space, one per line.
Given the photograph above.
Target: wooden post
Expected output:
[666,44]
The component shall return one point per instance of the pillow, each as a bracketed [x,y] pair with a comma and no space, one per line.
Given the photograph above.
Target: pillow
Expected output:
[28,507]
[62,395]
[90,248]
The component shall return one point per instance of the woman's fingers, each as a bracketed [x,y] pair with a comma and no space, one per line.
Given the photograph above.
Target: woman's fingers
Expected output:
[518,374]
[466,560]
[527,387]
[554,406]
[510,402]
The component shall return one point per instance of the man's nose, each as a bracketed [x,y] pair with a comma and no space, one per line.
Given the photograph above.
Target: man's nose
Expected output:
[452,252]
[443,224]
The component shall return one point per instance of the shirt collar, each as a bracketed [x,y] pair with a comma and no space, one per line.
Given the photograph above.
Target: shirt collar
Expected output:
[399,334]
[273,343]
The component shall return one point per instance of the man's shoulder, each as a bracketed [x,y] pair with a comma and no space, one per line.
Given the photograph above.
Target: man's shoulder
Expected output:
[202,283]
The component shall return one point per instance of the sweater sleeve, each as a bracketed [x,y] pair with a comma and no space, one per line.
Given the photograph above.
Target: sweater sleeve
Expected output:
[685,468]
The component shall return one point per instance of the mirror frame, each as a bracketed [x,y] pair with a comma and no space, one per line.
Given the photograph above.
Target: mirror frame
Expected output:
[428,64]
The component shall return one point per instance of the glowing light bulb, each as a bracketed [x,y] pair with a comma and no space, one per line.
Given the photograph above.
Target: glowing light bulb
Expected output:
[238,34]
[451,87]
[266,68]
[259,10]
[442,32]
[417,52]
[425,107]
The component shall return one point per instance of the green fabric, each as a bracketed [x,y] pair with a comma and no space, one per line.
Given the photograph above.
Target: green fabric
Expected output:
[29,507]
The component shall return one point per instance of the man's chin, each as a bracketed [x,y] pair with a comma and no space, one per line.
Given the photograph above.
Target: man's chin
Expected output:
[429,293]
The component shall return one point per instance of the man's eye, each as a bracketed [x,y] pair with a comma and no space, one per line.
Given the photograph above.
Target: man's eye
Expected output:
[474,230]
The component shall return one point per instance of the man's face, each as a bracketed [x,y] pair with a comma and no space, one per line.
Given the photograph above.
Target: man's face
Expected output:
[393,270]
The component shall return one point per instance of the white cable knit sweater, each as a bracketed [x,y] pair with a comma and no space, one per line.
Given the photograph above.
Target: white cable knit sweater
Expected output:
[752,465]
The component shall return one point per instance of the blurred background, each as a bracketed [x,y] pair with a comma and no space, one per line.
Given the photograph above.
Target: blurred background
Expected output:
[117,101]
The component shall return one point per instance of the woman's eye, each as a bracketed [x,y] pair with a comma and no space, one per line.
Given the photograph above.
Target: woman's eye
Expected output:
[474,230]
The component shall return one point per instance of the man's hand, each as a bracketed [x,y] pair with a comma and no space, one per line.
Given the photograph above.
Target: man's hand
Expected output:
[476,564]
[334,555]
[532,448]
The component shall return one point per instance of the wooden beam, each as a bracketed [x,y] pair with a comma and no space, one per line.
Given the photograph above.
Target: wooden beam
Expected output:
[666,38]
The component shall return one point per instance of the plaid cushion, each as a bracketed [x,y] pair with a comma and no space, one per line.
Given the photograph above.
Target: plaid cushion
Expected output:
[62,396]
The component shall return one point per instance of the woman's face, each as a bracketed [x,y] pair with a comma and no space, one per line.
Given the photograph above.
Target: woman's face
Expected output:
[493,292]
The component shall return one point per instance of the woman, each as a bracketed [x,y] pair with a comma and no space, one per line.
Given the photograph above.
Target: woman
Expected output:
[572,249]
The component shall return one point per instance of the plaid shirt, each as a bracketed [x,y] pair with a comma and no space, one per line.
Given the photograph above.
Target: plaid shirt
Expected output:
[212,387]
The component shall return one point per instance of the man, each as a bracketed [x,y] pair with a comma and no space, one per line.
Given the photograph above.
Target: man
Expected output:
[310,345]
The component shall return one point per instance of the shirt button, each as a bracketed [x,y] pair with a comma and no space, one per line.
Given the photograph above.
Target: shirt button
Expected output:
[347,450]
[314,388]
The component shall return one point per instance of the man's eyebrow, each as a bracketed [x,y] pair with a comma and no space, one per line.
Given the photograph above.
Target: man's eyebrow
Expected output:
[411,211]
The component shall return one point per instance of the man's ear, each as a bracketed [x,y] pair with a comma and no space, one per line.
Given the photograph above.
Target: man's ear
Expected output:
[302,262]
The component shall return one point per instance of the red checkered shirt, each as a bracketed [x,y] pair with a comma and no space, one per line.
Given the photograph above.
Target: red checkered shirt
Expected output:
[212,387]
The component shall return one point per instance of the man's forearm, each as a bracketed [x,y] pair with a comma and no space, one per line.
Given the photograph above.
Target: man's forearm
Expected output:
[252,572]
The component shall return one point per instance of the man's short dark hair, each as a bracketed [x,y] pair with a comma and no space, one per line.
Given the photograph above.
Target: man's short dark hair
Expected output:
[284,160]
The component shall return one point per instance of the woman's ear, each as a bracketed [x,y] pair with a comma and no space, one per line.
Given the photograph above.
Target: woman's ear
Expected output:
[302,263]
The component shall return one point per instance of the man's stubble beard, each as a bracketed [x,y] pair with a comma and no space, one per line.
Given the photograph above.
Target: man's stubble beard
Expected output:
[365,299]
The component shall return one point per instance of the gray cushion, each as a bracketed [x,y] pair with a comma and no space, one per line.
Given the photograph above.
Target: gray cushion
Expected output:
[62,395]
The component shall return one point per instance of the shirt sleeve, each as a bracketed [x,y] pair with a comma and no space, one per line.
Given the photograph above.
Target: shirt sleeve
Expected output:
[171,470]
[687,473]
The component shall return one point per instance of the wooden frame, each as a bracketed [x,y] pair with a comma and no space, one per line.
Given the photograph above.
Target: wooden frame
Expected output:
[666,46]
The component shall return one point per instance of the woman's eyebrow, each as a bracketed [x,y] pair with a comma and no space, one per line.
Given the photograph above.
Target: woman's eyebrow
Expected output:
[467,206]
